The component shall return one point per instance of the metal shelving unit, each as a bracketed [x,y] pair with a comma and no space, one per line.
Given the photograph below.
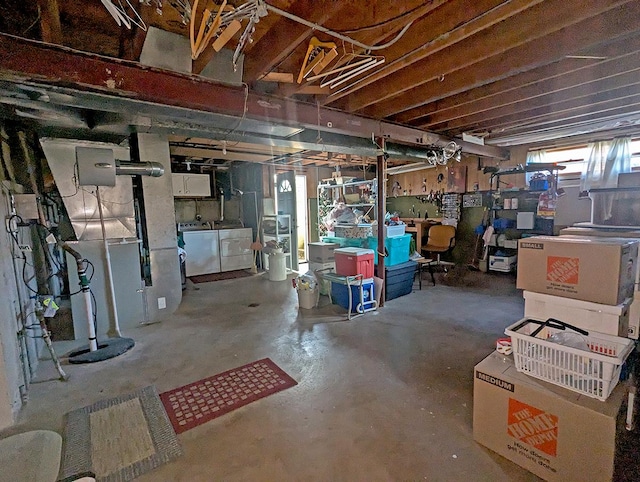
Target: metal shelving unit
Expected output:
[281,232]
[329,192]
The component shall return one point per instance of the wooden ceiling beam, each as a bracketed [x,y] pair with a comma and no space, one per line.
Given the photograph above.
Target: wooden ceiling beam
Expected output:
[590,114]
[530,26]
[455,21]
[605,103]
[619,84]
[618,22]
[50,21]
[556,76]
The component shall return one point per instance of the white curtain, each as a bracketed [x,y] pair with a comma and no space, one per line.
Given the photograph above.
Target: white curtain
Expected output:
[607,159]
[535,157]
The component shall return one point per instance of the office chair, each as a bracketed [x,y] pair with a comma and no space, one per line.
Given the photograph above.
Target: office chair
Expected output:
[441,239]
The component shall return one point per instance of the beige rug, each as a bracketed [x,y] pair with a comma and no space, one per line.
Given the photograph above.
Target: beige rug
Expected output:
[120,438]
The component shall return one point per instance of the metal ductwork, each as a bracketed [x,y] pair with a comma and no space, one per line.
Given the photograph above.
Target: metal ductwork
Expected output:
[128,168]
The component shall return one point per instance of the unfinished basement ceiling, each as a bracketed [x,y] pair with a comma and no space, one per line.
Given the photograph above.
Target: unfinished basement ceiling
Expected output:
[506,73]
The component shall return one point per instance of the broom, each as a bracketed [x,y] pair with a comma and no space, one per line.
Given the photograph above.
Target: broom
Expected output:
[475,262]
[256,246]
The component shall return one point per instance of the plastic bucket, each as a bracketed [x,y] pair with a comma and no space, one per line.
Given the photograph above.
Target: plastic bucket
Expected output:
[307,299]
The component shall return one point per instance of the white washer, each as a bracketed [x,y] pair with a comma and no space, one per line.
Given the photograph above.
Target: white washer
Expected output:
[203,256]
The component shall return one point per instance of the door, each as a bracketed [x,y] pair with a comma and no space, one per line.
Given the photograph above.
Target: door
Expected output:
[302,217]
[286,204]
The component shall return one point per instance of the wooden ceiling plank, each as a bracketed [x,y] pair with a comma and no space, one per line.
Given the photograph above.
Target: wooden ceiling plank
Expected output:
[608,85]
[455,21]
[603,102]
[529,56]
[605,113]
[530,26]
[50,21]
[562,74]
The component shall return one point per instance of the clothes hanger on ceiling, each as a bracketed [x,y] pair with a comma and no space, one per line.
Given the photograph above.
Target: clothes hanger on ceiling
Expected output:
[319,55]
[213,27]
[207,29]
[349,66]
[120,15]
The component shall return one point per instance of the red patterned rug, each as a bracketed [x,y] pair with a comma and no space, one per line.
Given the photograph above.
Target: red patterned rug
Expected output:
[204,400]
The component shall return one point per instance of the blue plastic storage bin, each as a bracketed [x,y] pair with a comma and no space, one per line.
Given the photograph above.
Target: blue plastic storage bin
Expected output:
[397,249]
[340,295]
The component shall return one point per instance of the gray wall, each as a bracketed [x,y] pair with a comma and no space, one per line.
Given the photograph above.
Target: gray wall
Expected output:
[15,301]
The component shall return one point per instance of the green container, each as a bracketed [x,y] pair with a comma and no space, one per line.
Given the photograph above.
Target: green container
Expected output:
[397,249]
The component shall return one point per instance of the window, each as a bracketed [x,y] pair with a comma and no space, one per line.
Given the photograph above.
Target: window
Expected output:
[575,158]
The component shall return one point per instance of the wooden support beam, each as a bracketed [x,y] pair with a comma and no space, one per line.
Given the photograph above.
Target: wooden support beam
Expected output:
[524,57]
[50,21]
[540,23]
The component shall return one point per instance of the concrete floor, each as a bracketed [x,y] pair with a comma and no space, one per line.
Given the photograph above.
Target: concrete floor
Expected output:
[386,396]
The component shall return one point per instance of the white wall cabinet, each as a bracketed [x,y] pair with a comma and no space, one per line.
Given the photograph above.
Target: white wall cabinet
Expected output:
[191,185]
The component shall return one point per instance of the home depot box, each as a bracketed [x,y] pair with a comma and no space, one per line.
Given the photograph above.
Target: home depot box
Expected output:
[608,319]
[601,270]
[557,434]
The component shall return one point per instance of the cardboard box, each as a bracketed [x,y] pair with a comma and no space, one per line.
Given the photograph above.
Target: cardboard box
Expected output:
[321,252]
[601,270]
[557,434]
[608,319]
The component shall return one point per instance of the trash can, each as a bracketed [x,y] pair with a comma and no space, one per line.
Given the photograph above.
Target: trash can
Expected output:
[277,267]
[308,299]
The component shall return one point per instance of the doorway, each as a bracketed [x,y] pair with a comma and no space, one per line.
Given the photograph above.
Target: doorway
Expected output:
[302,217]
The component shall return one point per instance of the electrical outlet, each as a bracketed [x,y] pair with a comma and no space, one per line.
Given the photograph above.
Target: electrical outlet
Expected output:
[162,303]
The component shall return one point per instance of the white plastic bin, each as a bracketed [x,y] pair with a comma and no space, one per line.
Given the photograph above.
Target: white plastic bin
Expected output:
[308,299]
[608,319]
[594,372]
[277,267]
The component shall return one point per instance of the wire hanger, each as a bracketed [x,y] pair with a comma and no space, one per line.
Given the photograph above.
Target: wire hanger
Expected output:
[349,66]
[120,15]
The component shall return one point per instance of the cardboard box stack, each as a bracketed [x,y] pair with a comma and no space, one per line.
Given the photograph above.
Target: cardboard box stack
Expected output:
[553,432]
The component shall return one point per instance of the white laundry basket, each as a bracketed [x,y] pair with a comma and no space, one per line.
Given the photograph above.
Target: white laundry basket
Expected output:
[594,373]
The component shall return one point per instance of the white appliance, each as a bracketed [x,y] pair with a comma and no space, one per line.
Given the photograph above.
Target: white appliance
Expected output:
[235,249]
[201,245]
